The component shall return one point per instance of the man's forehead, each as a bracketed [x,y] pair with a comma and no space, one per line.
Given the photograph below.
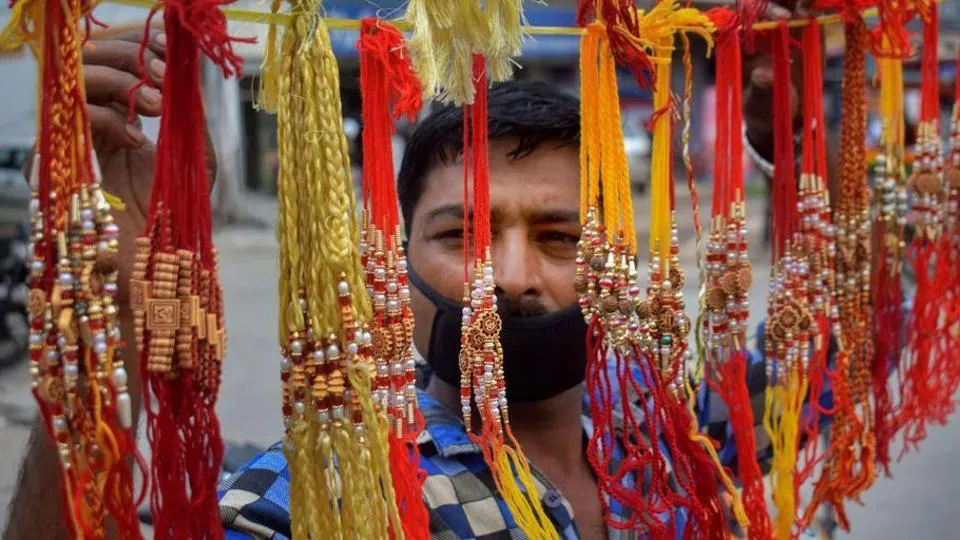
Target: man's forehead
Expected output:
[551,174]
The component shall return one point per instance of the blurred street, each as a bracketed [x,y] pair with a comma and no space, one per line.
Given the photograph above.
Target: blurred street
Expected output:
[917,503]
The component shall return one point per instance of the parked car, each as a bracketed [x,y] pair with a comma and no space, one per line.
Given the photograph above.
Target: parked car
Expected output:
[14,236]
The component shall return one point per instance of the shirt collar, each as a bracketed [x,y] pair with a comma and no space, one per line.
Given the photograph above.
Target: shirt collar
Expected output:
[443,429]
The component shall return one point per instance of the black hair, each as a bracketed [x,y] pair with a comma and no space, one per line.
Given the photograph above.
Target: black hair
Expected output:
[532,112]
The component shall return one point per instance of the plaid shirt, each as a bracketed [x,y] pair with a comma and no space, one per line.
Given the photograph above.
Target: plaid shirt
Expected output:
[459,492]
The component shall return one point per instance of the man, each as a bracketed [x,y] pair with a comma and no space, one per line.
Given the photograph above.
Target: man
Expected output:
[534,176]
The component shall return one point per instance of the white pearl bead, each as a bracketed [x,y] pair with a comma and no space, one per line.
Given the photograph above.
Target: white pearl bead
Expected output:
[125,410]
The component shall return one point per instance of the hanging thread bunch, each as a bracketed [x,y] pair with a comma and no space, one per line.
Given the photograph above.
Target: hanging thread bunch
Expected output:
[175,296]
[481,356]
[926,364]
[889,196]
[667,349]
[790,328]
[818,251]
[951,178]
[725,311]
[77,373]
[336,439]
[387,81]
[848,465]
[609,296]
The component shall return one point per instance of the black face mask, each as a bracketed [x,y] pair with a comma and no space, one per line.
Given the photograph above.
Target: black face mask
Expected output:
[543,355]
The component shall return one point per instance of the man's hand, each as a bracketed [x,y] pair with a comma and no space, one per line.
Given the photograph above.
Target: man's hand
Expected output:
[758,90]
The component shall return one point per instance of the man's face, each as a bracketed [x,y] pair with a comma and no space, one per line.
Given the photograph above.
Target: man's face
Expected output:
[535,226]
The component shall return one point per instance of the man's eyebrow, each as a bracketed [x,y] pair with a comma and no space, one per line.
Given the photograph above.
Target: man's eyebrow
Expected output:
[447,210]
[548,216]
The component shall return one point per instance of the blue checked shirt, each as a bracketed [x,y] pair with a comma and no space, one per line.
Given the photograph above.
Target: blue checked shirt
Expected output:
[459,492]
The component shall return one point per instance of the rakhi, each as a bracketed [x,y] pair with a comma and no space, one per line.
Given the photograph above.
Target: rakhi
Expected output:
[889,196]
[453,43]
[926,362]
[175,293]
[819,251]
[387,81]
[951,178]
[848,468]
[77,373]
[790,328]
[336,434]
[725,312]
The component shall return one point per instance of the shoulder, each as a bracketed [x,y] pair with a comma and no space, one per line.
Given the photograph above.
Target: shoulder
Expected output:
[255,500]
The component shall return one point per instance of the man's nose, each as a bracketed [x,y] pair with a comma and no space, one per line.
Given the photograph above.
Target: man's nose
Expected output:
[515,265]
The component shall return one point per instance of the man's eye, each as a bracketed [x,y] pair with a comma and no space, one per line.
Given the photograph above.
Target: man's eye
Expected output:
[559,238]
[450,235]
[558,244]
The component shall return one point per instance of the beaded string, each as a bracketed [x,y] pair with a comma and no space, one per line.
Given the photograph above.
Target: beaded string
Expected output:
[850,433]
[725,310]
[336,438]
[952,232]
[925,365]
[819,250]
[456,48]
[890,198]
[387,80]
[481,356]
[77,373]
[175,293]
[790,327]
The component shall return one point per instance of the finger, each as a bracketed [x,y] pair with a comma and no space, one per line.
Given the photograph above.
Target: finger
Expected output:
[108,85]
[125,56]
[110,125]
[155,37]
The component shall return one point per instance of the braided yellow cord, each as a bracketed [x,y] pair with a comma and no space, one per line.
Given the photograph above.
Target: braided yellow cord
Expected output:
[340,476]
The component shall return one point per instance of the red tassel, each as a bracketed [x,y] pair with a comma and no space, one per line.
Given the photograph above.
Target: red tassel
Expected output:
[182,426]
[730,380]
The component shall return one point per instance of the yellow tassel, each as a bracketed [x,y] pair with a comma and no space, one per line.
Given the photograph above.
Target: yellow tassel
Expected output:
[781,421]
[511,470]
[504,20]
[430,44]
[660,166]
[270,68]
